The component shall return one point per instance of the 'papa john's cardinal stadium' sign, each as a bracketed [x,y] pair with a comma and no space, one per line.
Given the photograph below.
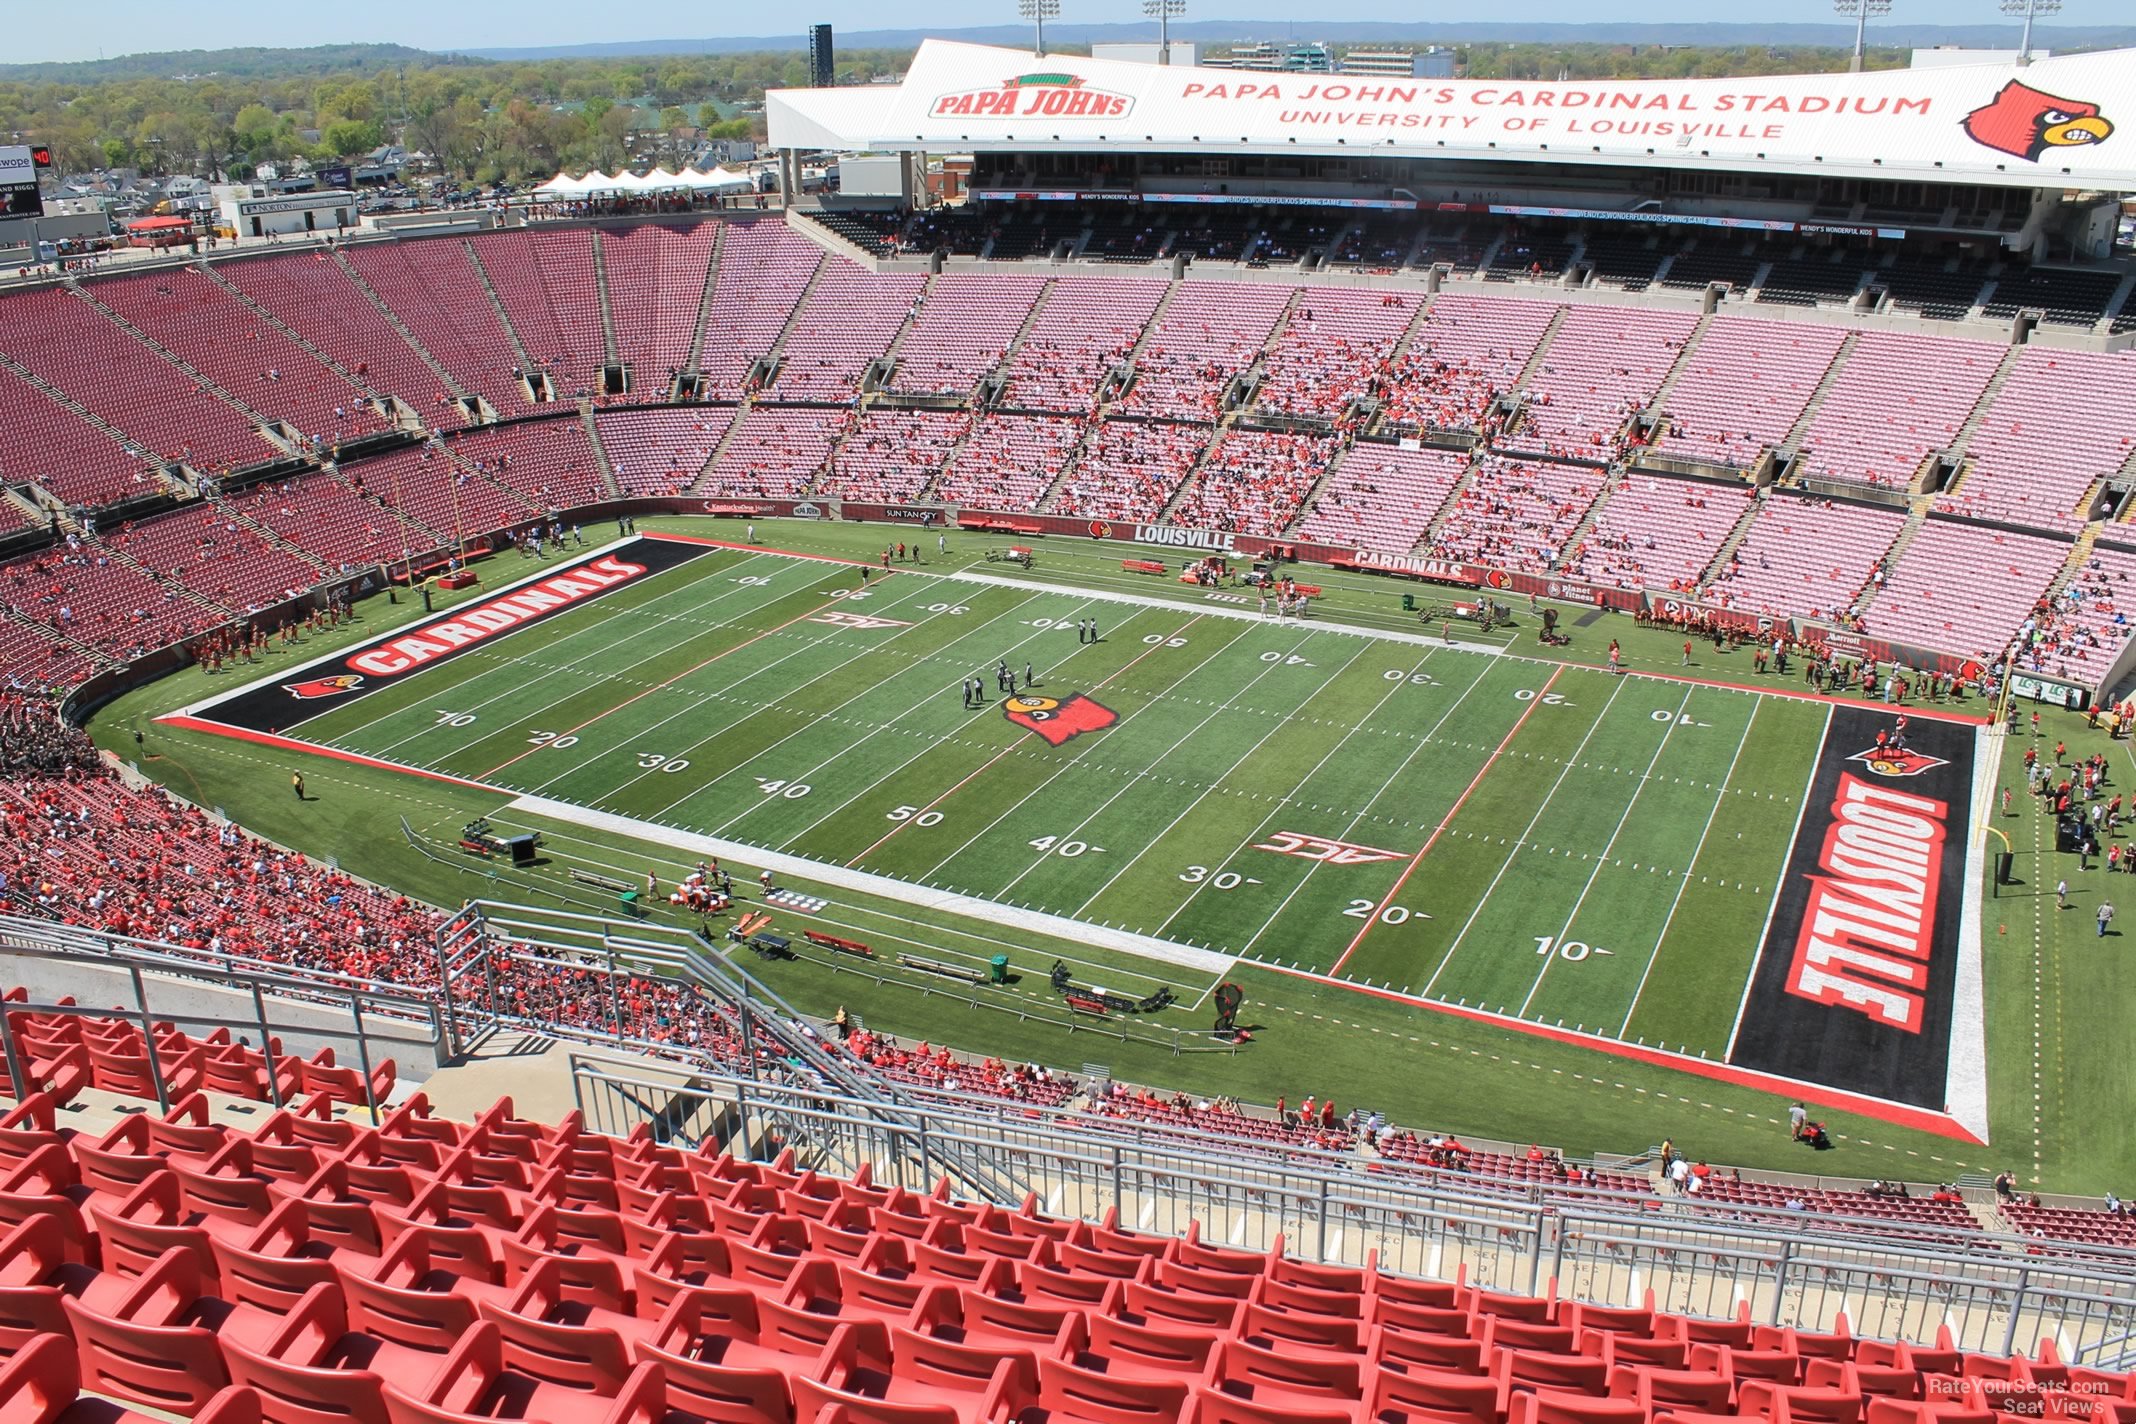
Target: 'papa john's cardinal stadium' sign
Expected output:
[2068,120]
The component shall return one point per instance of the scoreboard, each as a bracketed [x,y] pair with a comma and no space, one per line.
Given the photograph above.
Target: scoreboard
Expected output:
[19,197]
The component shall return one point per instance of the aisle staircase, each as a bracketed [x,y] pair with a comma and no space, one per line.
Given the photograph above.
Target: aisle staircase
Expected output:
[609,486]
[452,385]
[489,288]
[704,298]
[608,311]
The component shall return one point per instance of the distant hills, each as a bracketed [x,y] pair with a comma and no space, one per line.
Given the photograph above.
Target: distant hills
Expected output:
[342,58]
[237,63]
[2003,36]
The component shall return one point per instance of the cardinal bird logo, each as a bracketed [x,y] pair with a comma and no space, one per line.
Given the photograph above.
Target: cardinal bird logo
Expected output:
[1059,719]
[2025,123]
[323,686]
[1099,529]
[1897,761]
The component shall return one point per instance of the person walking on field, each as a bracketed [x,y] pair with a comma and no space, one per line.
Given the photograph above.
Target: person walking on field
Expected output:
[296,783]
[2061,895]
[1687,653]
[2106,916]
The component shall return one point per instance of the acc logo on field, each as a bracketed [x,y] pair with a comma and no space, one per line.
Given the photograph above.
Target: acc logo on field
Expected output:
[323,686]
[1897,761]
[839,618]
[1320,848]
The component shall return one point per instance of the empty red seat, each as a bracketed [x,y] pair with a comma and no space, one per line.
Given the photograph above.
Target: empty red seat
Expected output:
[41,1384]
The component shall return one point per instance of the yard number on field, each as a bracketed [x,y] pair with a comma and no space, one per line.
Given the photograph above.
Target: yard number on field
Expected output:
[1392,915]
[788,790]
[915,815]
[654,761]
[1550,699]
[558,740]
[455,719]
[1068,849]
[1222,880]
[1572,949]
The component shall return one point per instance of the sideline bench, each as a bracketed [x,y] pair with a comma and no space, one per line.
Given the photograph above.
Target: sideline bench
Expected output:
[1142,566]
[843,946]
[601,882]
[962,973]
[771,946]
[1085,1004]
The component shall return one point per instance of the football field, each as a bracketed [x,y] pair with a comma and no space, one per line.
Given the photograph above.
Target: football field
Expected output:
[1559,846]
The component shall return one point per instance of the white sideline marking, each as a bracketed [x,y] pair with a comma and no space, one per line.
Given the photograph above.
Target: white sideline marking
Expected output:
[1965,1082]
[1143,600]
[867,883]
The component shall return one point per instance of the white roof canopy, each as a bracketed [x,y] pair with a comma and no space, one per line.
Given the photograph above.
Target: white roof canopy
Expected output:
[2065,122]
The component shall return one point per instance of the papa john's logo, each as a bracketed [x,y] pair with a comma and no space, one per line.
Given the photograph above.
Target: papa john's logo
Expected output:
[2026,122]
[323,686]
[1059,719]
[1897,761]
[1053,96]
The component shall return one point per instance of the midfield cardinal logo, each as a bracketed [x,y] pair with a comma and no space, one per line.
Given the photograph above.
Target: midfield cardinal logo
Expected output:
[2024,122]
[1059,719]
[1896,761]
[323,686]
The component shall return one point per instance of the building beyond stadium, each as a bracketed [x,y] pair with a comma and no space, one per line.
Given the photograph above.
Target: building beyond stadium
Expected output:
[2033,157]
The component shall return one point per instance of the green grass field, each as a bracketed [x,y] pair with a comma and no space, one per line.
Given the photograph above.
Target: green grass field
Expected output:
[1343,810]
[1531,839]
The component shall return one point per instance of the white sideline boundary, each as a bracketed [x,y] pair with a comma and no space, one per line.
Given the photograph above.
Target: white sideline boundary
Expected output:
[1242,615]
[1200,961]
[1966,1078]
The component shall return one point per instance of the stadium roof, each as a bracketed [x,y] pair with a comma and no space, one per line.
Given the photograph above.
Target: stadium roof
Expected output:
[2052,124]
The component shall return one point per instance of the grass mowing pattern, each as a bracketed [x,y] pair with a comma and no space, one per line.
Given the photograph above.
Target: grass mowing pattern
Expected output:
[1534,837]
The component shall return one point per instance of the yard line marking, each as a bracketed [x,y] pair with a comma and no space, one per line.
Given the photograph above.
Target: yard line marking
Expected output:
[926,699]
[698,706]
[1357,818]
[1448,819]
[1787,853]
[925,746]
[1151,845]
[1148,768]
[1527,831]
[1076,758]
[648,692]
[1684,881]
[1012,746]
[1602,860]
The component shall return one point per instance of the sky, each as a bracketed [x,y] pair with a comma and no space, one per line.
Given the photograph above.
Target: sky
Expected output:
[35,32]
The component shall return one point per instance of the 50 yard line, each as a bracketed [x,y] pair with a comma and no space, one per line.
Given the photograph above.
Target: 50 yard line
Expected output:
[1012,746]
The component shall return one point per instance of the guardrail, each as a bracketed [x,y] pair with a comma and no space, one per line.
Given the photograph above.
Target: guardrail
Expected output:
[1605,1248]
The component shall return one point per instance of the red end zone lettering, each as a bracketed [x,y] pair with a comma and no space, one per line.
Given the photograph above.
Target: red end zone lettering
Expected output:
[277,707]
[1854,987]
[1868,929]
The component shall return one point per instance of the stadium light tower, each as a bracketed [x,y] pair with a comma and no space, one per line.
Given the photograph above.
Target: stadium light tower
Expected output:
[1861,10]
[2029,8]
[1038,12]
[1163,12]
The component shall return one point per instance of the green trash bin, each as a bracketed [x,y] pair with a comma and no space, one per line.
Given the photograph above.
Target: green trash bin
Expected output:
[998,968]
[1409,603]
[629,900]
